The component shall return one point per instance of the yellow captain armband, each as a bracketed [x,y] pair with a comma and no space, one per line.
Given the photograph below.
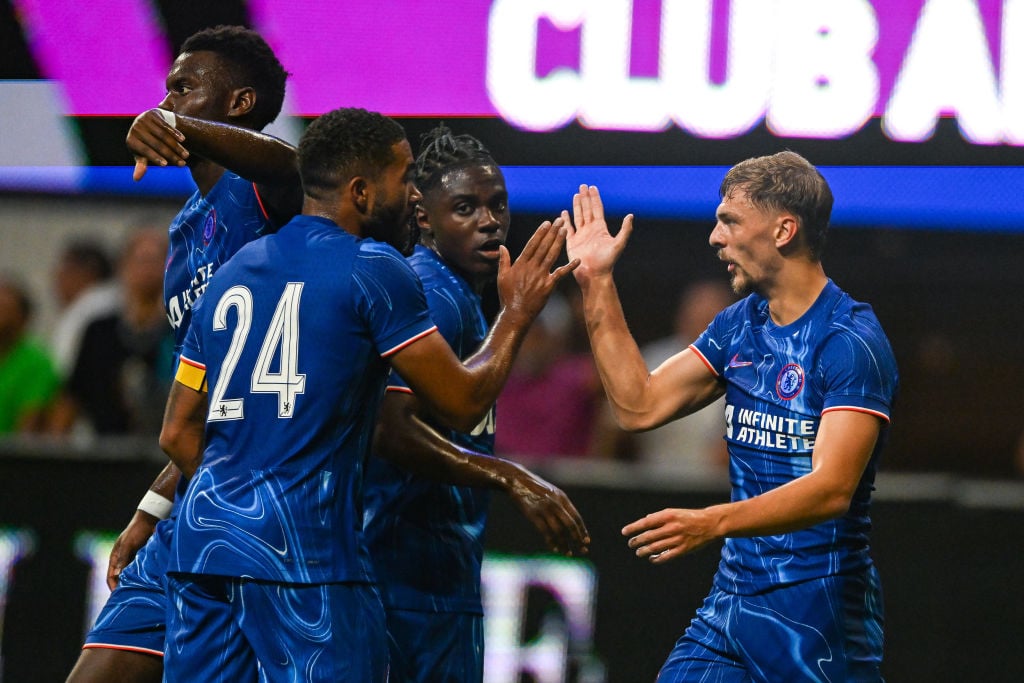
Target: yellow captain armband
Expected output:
[191,374]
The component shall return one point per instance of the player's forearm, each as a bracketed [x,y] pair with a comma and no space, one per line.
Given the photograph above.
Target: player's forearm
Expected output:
[420,449]
[489,367]
[623,371]
[255,156]
[184,448]
[799,504]
[167,481]
[183,433]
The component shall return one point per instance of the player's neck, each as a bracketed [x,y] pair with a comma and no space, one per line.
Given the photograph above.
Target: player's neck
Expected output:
[477,283]
[334,209]
[794,291]
[205,174]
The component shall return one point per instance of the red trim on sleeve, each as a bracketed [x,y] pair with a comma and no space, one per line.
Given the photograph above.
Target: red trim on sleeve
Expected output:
[259,200]
[407,342]
[398,389]
[703,359]
[126,648]
[198,366]
[857,409]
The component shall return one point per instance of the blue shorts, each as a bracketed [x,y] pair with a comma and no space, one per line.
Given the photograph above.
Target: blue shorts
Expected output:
[827,629]
[435,646]
[231,630]
[134,616]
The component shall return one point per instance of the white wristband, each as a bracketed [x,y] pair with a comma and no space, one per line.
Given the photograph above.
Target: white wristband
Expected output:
[171,120]
[155,504]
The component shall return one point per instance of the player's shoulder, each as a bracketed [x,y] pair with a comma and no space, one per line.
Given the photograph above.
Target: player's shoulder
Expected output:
[433,273]
[854,332]
[424,261]
[750,310]
[380,254]
[850,316]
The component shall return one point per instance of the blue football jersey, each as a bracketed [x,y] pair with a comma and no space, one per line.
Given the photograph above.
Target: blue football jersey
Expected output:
[206,233]
[779,381]
[425,538]
[293,336]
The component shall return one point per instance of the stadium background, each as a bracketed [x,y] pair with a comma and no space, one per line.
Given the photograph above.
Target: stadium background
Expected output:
[935,244]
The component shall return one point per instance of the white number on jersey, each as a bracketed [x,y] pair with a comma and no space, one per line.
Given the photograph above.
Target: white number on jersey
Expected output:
[281,339]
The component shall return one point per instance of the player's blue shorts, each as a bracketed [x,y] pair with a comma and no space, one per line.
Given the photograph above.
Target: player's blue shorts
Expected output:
[232,630]
[822,630]
[135,614]
[435,646]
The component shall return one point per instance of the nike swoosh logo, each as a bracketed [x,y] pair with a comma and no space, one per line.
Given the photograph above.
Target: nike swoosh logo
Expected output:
[737,363]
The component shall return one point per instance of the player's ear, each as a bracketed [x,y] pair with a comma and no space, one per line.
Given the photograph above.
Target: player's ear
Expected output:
[359,192]
[423,220]
[243,100]
[786,231]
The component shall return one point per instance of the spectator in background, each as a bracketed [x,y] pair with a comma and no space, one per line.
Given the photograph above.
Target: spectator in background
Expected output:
[693,446]
[552,404]
[85,290]
[124,366]
[28,380]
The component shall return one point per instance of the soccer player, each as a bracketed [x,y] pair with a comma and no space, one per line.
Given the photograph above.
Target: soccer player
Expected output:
[809,378]
[424,533]
[294,339]
[224,87]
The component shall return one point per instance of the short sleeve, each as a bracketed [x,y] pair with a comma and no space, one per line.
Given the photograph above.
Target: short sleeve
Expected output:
[390,297]
[713,343]
[445,314]
[192,346]
[858,371]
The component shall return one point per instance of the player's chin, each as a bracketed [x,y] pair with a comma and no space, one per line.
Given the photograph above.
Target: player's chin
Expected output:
[741,285]
[487,263]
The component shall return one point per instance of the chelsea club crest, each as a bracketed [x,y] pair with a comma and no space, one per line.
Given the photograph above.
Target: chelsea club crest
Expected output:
[209,227]
[790,381]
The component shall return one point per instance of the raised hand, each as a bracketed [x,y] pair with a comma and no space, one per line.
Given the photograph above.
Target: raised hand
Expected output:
[524,286]
[152,140]
[550,511]
[588,239]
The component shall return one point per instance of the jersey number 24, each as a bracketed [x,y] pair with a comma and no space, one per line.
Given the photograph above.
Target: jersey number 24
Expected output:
[281,339]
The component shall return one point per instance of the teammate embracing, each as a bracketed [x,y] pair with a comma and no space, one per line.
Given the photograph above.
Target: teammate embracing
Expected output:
[272,414]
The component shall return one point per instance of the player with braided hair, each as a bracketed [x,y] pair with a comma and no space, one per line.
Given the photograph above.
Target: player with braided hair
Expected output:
[428,491]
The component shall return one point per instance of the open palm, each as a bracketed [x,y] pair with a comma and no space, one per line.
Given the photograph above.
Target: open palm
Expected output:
[589,239]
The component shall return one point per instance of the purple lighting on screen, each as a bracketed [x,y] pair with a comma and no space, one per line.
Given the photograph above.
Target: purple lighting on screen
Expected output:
[556,48]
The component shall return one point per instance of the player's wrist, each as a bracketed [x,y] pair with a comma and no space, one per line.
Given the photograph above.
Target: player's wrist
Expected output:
[503,475]
[719,520]
[168,116]
[155,505]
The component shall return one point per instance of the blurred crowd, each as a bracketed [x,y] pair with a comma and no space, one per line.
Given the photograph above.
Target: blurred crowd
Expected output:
[106,366]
